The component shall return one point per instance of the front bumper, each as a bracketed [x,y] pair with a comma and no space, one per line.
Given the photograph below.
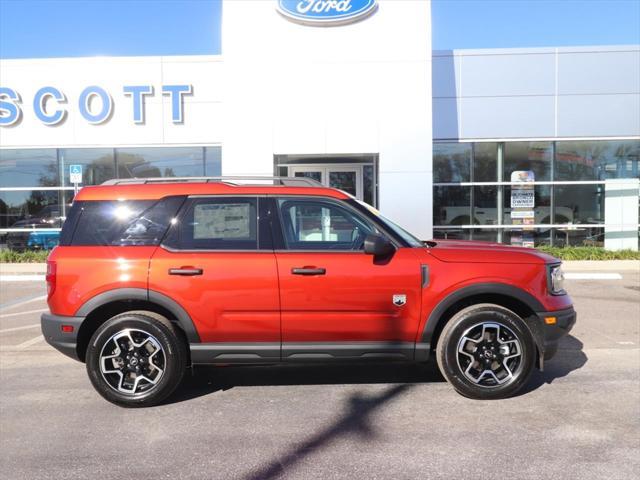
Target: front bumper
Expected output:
[548,335]
[65,342]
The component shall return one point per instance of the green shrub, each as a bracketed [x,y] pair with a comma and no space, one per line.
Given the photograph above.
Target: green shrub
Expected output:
[29,256]
[589,253]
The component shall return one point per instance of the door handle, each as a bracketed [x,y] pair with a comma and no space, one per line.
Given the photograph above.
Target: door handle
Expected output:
[309,271]
[185,271]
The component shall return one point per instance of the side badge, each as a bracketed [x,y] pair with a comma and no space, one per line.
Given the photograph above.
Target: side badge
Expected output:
[399,300]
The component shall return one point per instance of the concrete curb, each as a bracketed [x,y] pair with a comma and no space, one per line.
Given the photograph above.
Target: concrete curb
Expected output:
[22,268]
[601,265]
[569,266]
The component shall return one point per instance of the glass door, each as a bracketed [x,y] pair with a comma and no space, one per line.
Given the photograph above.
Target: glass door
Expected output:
[346,178]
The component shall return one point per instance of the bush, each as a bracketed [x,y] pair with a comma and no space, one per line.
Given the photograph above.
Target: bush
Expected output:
[589,253]
[29,256]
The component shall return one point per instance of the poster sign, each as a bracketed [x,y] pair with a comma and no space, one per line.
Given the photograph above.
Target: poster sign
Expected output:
[523,203]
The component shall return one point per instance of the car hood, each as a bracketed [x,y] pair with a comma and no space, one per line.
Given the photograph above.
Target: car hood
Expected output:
[466,251]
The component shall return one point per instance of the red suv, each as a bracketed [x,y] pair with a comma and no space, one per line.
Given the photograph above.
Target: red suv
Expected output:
[152,276]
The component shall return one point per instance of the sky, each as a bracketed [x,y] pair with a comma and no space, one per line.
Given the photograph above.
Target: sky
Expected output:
[71,28]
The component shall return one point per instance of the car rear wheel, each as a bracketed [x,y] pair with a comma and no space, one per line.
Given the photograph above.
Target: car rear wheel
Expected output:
[136,359]
[486,352]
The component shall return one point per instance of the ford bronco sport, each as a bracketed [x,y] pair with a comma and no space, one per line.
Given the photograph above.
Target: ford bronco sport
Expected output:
[152,276]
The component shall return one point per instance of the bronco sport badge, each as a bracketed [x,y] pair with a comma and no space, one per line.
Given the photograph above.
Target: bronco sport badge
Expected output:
[399,300]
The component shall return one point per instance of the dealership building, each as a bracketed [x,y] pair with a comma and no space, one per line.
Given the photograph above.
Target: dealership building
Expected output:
[531,146]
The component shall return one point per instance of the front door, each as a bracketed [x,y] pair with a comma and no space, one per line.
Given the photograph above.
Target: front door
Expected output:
[214,265]
[347,178]
[337,301]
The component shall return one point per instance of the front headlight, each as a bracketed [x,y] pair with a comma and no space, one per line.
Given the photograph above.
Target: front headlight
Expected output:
[556,276]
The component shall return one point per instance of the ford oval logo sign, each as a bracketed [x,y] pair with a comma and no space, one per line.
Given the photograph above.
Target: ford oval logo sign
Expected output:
[326,12]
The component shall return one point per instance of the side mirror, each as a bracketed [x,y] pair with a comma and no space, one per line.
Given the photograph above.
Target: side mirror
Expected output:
[378,246]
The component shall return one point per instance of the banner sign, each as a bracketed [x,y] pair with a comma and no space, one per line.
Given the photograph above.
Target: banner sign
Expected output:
[523,202]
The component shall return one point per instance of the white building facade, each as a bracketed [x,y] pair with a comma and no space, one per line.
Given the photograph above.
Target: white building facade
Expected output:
[340,91]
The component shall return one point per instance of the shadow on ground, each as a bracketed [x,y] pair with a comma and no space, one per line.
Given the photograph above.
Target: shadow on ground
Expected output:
[355,419]
[204,380]
[570,357]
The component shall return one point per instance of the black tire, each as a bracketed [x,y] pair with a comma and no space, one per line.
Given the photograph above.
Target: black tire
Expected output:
[484,356]
[159,353]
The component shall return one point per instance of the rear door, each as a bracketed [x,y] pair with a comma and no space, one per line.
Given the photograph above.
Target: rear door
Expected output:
[219,265]
[337,301]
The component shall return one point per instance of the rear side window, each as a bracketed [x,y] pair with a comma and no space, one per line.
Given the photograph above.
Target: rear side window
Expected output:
[223,223]
[135,222]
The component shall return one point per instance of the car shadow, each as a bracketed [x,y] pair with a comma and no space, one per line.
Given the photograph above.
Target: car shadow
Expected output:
[570,357]
[204,380]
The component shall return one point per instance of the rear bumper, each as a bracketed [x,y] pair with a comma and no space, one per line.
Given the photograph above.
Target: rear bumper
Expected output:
[65,342]
[548,335]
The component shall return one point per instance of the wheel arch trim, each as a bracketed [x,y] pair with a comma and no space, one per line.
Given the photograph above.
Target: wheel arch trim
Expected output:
[119,294]
[435,317]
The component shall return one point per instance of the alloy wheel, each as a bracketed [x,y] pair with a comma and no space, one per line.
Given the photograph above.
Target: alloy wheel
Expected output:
[489,354]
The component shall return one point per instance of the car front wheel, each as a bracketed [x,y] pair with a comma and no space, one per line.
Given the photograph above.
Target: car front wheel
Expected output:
[136,359]
[486,352]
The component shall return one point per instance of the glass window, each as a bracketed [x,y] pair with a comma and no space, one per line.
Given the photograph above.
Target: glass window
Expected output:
[106,222]
[36,167]
[576,236]
[452,205]
[31,209]
[321,225]
[541,208]
[597,160]
[160,162]
[213,161]
[368,175]
[451,162]
[528,156]
[579,203]
[217,224]
[484,235]
[527,237]
[485,205]
[98,164]
[485,162]
[452,233]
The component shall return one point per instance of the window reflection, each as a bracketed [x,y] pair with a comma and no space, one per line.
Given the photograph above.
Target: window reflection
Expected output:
[523,156]
[452,205]
[451,162]
[160,162]
[37,167]
[98,164]
[579,203]
[597,160]
[485,162]
[485,205]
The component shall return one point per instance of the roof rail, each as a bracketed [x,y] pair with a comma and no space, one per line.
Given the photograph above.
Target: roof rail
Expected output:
[233,180]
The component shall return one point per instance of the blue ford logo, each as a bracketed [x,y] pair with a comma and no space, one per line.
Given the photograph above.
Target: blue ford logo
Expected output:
[326,12]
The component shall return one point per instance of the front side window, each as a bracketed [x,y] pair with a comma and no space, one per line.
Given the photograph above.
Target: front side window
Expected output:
[321,225]
[216,224]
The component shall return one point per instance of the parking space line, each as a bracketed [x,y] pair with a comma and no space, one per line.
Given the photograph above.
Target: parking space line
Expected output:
[16,329]
[592,276]
[16,314]
[28,343]
[22,301]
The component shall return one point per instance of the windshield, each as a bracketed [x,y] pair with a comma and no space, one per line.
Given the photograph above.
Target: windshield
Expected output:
[406,236]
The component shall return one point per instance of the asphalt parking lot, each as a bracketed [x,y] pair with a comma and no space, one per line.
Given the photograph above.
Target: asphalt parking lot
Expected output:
[580,419]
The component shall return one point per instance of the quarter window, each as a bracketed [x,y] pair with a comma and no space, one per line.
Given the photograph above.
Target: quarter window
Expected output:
[321,225]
